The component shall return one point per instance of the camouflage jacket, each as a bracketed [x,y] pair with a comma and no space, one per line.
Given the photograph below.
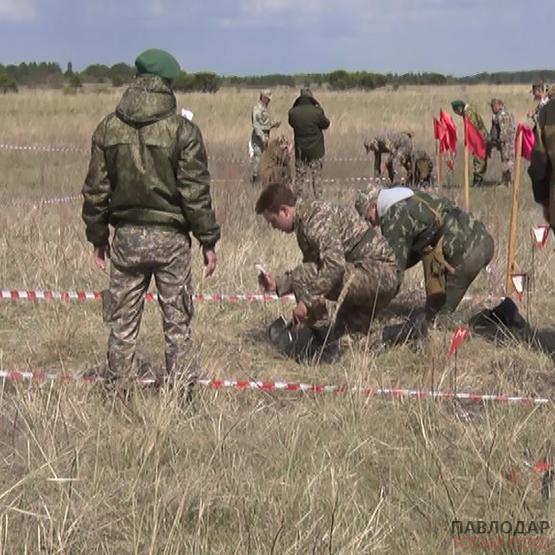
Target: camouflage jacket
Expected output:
[390,142]
[261,120]
[475,118]
[330,236]
[543,156]
[503,128]
[148,166]
[419,221]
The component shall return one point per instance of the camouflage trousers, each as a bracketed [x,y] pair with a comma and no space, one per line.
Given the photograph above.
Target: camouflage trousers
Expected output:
[479,167]
[366,289]
[308,179]
[507,153]
[467,267]
[138,253]
[258,147]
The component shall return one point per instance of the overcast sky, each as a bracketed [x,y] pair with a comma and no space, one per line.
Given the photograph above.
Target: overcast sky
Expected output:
[459,37]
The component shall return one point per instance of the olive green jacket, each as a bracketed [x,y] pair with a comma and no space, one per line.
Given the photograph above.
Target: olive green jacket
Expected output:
[148,166]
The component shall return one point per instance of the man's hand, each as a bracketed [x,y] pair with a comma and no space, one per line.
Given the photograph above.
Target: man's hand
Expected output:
[267,282]
[209,256]
[300,313]
[100,256]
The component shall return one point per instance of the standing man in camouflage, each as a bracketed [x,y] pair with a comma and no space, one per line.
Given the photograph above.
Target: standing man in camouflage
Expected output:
[308,120]
[502,137]
[452,245]
[148,178]
[461,108]
[262,124]
[543,161]
[399,148]
[344,260]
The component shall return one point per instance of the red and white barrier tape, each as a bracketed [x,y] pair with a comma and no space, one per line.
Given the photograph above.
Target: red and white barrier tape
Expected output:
[43,201]
[42,376]
[234,298]
[77,149]
[46,295]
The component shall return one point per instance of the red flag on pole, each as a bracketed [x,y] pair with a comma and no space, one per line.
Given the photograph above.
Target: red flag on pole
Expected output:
[439,131]
[461,333]
[474,139]
[528,140]
[450,131]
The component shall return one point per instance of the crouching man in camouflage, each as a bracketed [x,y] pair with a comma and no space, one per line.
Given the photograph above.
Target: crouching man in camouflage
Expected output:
[452,245]
[148,178]
[344,260]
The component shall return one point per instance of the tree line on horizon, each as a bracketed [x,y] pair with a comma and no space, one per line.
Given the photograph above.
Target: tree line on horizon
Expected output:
[50,75]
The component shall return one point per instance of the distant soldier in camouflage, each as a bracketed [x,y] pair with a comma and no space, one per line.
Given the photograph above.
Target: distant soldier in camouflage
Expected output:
[502,137]
[398,146]
[423,170]
[148,178]
[262,124]
[308,120]
[543,161]
[452,245]
[275,162]
[463,109]
[539,92]
[344,260]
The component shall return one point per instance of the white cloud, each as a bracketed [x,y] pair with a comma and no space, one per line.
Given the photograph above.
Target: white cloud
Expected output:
[17,10]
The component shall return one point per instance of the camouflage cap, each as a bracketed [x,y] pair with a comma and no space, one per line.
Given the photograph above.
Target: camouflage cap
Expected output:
[366,197]
[538,86]
[158,62]
[266,92]
[496,101]
[458,104]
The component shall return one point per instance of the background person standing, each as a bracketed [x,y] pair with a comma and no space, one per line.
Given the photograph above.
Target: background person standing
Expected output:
[262,124]
[308,120]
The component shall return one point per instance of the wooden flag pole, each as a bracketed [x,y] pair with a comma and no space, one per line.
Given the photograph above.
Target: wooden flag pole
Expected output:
[466,179]
[438,164]
[514,213]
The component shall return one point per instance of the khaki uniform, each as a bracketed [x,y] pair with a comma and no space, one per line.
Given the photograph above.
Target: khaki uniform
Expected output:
[262,124]
[343,260]
[479,166]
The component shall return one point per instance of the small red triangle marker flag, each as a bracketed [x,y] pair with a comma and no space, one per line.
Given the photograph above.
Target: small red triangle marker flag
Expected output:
[540,233]
[519,283]
[461,333]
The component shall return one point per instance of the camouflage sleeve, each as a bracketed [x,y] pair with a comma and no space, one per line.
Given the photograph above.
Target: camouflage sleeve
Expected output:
[96,192]
[261,122]
[397,242]
[539,164]
[322,231]
[193,183]
[507,128]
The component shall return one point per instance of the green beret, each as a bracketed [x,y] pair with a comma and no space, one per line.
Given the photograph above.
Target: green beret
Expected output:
[366,197]
[158,62]
[457,104]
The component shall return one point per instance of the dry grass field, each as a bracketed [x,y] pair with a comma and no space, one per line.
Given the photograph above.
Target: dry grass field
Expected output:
[254,472]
